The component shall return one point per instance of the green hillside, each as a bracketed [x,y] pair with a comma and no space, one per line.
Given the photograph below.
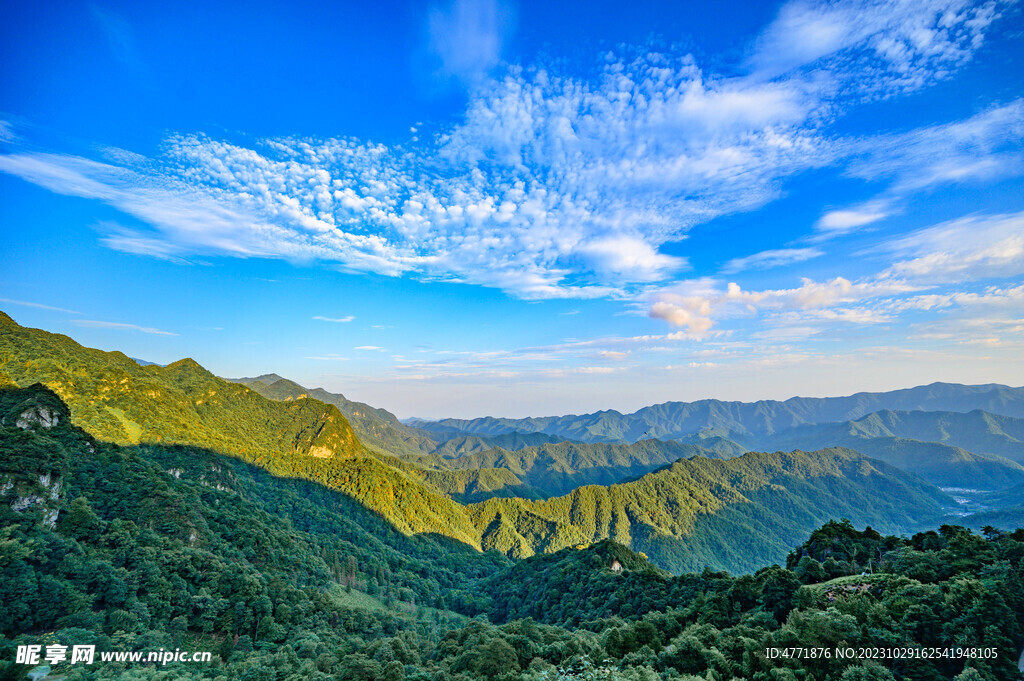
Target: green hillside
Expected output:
[381,430]
[398,446]
[975,450]
[161,545]
[939,464]
[376,428]
[471,468]
[733,514]
[560,468]
[153,546]
[932,590]
[115,399]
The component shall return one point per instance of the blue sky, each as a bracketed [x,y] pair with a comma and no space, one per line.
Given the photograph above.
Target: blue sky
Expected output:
[473,208]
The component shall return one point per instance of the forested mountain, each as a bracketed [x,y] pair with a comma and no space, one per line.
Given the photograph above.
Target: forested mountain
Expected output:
[115,399]
[691,514]
[672,420]
[977,449]
[157,545]
[376,428]
[554,469]
[381,430]
[282,578]
[739,513]
[978,431]
[511,464]
[178,510]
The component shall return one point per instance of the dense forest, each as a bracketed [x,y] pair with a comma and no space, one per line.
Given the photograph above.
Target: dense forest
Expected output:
[149,546]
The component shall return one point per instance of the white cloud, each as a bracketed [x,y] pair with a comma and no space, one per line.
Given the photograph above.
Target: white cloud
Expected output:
[629,257]
[7,131]
[985,146]
[551,186]
[369,347]
[329,358]
[597,370]
[772,258]
[467,37]
[977,247]
[818,294]
[837,222]
[337,320]
[876,47]
[691,313]
[96,324]
[40,306]
[119,34]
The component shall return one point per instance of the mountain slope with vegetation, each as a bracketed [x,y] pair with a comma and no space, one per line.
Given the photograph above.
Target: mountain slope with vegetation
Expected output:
[156,546]
[469,468]
[977,431]
[115,399]
[737,513]
[560,468]
[939,464]
[933,590]
[376,428]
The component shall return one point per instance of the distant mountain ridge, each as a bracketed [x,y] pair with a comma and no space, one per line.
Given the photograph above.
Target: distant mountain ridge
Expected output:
[671,420]
[979,431]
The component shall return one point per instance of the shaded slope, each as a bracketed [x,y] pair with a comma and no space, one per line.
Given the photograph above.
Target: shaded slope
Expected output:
[560,468]
[190,535]
[735,514]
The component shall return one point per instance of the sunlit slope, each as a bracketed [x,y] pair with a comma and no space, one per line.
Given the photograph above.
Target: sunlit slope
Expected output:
[115,399]
[376,428]
[735,514]
[158,528]
[471,468]
[398,446]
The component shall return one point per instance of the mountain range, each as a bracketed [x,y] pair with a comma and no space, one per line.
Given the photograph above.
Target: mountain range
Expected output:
[682,504]
[671,420]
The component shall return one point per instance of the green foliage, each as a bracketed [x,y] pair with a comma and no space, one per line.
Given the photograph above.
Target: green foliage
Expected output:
[160,545]
[736,514]
[975,450]
[115,399]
